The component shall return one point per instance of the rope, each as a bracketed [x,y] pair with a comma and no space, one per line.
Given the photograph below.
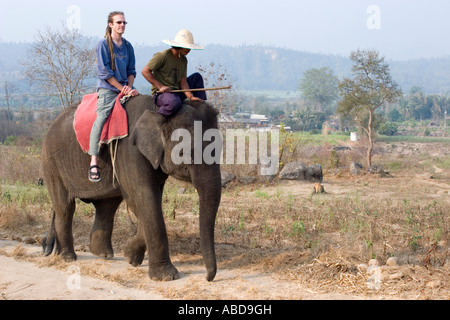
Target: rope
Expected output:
[113,154]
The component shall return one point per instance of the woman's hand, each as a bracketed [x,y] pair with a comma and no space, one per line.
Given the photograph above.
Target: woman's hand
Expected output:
[126,90]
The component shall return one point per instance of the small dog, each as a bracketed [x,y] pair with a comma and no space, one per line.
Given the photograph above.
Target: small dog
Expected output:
[318,188]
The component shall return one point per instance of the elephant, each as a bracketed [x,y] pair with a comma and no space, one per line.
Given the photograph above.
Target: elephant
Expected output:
[142,164]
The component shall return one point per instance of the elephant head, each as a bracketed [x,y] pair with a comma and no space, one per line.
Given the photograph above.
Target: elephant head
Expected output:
[176,146]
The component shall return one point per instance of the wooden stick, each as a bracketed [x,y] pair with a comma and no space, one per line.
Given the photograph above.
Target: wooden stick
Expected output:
[201,89]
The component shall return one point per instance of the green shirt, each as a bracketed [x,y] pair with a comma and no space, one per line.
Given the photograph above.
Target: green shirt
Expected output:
[167,69]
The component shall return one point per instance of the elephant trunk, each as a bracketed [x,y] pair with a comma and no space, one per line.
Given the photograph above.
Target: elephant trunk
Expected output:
[209,187]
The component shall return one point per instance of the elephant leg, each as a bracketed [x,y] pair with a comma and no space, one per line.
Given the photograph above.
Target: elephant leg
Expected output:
[100,240]
[151,229]
[134,250]
[160,266]
[63,230]
[62,217]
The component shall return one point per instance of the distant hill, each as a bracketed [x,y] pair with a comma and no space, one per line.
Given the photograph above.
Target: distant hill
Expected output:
[433,75]
[268,68]
[261,68]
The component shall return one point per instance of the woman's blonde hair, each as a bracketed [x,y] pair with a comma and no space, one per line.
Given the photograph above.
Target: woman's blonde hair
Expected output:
[109,39]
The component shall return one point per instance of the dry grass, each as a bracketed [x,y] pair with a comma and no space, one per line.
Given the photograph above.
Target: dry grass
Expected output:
[322,242]
[19,164]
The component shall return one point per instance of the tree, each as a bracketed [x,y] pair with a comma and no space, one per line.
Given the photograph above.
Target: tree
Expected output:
[420,106]
[214,75]
[61,61]
[320,87]
[308,120]
[369,89]
[9,89]
[394,115]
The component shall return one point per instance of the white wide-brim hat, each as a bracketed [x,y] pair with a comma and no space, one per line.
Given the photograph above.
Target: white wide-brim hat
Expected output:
[184,39]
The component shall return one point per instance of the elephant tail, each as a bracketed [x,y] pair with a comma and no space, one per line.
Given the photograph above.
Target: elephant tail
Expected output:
[48,241]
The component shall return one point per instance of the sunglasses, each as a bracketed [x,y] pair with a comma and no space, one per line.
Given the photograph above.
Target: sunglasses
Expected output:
[120,22]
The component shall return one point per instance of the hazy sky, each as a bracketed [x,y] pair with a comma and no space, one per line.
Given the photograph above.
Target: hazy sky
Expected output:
[399,29]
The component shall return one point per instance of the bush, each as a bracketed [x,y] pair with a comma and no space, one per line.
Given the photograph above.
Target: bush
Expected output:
[9,141]
[388,129]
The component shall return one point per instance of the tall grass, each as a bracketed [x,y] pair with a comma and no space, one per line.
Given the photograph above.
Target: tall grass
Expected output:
[21,164]
[23,208]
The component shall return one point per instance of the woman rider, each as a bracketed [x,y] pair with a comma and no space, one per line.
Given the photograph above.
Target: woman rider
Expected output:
[116,73]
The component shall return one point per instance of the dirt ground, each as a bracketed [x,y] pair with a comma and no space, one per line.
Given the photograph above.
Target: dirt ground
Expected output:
[29,280]
[26,274]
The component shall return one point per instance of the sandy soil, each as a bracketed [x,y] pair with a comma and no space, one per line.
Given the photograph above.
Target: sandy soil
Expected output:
[21,280]
[25,277]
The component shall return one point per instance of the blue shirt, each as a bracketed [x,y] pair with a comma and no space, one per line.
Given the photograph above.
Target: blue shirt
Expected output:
[125,64]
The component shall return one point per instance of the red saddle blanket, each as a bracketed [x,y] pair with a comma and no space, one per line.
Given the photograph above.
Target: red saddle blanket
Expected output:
[116,126]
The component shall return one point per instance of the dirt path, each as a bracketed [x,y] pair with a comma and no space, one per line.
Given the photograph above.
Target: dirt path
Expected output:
[21,280]
[26,277]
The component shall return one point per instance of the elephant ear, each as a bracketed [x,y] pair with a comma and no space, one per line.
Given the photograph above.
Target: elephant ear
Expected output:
[147,136]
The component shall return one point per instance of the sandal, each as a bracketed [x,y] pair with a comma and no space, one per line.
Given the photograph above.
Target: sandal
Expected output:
[94,176]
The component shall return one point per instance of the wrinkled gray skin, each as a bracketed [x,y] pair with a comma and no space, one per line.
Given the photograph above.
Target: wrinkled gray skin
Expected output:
[143,163]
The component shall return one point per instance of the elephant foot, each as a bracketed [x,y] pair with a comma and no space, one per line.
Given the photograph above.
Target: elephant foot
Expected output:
[68,256]
[134,255]
[100,244]
[166,272]
[102,252]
